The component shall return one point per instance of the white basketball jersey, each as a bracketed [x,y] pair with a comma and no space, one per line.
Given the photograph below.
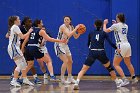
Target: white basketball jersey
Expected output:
[120,32]
[62,35]
[14,39]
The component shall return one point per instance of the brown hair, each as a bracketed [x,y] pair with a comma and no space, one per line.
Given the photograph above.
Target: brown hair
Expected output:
[11,21]
[121,17]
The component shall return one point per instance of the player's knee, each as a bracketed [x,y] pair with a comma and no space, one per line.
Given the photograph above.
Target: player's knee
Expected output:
[17,69]
[30,64]
[110,68]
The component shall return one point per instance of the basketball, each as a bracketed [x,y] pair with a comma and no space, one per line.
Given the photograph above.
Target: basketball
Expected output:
[81,29]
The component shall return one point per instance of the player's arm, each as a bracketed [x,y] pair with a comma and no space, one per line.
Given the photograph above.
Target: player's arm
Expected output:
[89,40]
[110,42]
[75,35]
[24,43]
[69,34]
[23,36]
[48,38]
[7,35]
[104,26]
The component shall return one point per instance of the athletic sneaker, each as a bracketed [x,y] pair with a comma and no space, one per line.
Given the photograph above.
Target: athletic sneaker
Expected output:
[65,82]
[37,81]
[26,81]
[76,86]
[15,83]
[119,83]
[53,78]
[20,81]
[45,76]
[134,80]
[125,82]
[71,80]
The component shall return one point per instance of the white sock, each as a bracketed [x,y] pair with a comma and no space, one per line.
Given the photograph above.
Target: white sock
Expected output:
[69,75]
[35,76]
[78,80]
[62,77]
[51,74]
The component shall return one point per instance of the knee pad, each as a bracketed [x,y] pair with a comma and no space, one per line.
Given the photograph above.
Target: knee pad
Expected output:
[110,68]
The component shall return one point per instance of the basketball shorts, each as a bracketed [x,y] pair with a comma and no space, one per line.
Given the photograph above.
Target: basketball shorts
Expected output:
[99,55]
[14,51]
[33,52]
[43,49]
[125,50]
[62,49]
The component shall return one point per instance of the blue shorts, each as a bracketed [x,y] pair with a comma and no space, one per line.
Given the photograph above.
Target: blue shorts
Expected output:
[99,55]
[33,52]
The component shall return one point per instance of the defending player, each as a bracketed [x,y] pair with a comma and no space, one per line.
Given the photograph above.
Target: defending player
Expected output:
[96,41]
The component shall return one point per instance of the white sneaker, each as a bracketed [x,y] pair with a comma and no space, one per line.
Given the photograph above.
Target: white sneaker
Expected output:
[119,83]
[135,80]
[76,86]
[125,82]
[26,81]
[71,80]
[45,76]
[65,82]
[15,83]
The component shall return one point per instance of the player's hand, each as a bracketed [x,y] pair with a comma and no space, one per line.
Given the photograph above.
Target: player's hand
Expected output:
[106,21]
[119,51]
[63,41]
[23,50]
[77,26]
[31,29]
[114,22]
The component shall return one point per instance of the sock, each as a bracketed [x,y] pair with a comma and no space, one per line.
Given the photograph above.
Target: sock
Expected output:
[51,74]
[35,76]
[62,77]
[69,75]
[78,80]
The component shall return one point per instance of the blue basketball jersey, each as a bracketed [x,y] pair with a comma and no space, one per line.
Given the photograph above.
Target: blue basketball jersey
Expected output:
[35,38]
[96,40]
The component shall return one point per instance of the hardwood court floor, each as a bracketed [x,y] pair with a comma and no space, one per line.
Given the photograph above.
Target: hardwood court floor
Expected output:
[86,86]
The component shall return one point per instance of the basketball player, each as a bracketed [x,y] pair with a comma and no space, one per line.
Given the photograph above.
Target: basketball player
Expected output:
[96,40]
[66,30]
[14,50]
[33,47]
[120,33]
[25,26]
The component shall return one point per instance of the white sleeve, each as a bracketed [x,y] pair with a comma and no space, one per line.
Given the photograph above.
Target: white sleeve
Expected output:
[17,30]
[113,27]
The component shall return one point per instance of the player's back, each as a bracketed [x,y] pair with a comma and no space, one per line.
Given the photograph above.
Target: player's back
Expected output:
[120,32]
[34,38]
[96,39]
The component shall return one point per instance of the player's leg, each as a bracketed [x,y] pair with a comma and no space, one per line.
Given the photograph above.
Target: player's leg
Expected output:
[127,60]
[42,67]
[89,61]
[64,59]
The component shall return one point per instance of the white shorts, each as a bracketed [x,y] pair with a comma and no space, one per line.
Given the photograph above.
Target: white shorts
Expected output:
[62,49]
[125,50]
[43,49]
[14,51]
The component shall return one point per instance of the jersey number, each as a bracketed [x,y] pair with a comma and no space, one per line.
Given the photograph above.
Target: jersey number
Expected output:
[123,30]
[97,37]
[32,36]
